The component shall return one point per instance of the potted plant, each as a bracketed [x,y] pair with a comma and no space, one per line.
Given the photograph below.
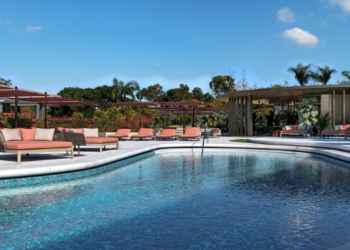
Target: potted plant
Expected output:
[323,122]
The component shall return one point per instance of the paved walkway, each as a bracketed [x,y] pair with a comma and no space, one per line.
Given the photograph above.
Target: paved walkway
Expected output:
[49,163]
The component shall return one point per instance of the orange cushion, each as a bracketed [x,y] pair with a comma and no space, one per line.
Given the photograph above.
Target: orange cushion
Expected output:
[28,134]
[192,131]
[99,140]
[116,136]
[168,132]
[294,131]
[144,132]
[294,127]
[124,132]
[346,127]
[22,145]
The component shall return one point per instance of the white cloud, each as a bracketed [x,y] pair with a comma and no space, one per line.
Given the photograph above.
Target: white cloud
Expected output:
[32,28]
[5,22]
[285,15]
[301,37]
[344,4]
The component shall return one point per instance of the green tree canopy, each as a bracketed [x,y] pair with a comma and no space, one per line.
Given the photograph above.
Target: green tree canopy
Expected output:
[323,75]
[5,82]
[121,90]
[346,74]
[302,73]
[222,84]
[155,93]
[179,94]
[198,94]
[308,109]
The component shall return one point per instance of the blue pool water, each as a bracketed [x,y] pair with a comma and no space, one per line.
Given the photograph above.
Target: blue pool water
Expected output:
[176,199]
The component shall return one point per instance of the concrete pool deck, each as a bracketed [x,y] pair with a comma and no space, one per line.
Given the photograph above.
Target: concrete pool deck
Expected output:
[51,163]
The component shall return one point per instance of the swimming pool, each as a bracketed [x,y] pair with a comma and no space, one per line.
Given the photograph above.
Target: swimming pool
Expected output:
[176,199]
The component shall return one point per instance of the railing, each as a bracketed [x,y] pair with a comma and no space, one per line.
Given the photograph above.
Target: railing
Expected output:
[205,135]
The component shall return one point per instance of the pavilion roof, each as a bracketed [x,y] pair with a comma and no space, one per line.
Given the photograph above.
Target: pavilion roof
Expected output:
[38,97]
[149,104]
[289,93]
[174,107]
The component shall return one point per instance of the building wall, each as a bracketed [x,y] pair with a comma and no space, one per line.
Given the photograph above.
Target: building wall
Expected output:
[325,104]
[341,116]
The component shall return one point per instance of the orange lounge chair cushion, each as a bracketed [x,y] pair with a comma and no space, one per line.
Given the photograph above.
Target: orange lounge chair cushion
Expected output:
[191,132]
[23,145]
[122,132]
[167,132]
[294,131]
[144,132]
[100,140]
[334,132]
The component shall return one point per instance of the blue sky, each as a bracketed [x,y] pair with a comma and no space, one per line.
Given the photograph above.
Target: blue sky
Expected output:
[49,45]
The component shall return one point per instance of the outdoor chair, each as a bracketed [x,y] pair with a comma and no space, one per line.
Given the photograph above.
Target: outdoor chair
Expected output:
[121,133]
[167,133]
[143,133]
[88,137]
[191,133]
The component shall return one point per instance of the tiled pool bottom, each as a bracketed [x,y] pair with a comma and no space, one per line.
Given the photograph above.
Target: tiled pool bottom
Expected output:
[175,199]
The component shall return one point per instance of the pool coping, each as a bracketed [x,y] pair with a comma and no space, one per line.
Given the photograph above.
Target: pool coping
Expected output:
[335,151]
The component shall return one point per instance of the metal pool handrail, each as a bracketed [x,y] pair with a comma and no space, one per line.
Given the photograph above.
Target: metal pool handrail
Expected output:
[205,135]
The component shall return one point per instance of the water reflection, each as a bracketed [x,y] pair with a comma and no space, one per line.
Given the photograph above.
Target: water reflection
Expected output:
[225,197]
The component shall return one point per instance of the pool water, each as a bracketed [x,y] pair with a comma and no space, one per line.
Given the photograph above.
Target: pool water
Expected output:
[177,199]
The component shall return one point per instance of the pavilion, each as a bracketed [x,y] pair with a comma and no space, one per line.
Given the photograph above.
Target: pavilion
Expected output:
[9,96]
[334,99]
[177,108]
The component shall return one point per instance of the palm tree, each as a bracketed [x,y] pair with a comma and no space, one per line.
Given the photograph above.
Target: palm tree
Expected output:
[346,73]
[122,90]
[302,73]
[159,121]
[323,121]
[323,75]
[207,120]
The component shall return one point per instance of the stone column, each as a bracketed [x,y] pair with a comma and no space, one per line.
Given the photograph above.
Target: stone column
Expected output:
[248,116]
[232,122]
[37,111]
[344,106]
[241,109]
[333,108]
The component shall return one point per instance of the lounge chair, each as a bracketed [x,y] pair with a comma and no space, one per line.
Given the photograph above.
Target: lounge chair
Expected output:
[143,133]
[88,137]
[35,140]
[191,133]
[167,133]
[121,133]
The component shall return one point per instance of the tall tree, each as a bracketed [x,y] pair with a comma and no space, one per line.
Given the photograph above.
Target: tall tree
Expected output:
[302,73]
[141,94]
[185,90]
[198,94]
[122,90]
[155,93]
[323,75]
[222,84]
[346,73]
[103,96]
[179,94]
[207,97]
[5,82]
